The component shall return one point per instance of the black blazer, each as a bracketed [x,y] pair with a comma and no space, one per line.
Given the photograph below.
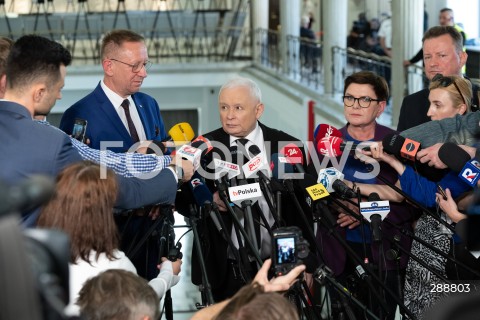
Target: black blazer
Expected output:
[213,245]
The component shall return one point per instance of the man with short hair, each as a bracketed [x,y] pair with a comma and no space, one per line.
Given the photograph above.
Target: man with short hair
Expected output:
[116,110]
[34,76]
[118,294]
[240,106]
[442,54]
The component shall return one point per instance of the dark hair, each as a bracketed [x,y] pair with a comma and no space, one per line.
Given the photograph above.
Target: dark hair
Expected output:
[82,207]
[117,294]
[378,83]
[251,302]
[113,40]
[5,46]
[438,31]
[32,57]
[447,10]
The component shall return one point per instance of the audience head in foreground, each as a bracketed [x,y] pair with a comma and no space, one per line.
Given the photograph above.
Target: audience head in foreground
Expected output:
[118,294]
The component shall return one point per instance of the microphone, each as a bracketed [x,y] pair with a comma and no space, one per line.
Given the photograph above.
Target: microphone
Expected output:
[255,166]
[375,210]
[30,193]
[181,133]
[328,176]
[203,197]
[399,146]
[458,160]
[334,146]
[280,166]
[343,190]
[294,155]
[323,131]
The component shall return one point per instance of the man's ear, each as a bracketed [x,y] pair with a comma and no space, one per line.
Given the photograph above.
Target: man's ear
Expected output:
[107,66]
[259,110]
[39,92]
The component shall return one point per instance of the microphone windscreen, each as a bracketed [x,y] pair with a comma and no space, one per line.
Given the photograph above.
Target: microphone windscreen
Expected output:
[392,143]
[373,197]
[325,131]
[254,150]
[293,153]
[330,147]
[453,156]
[201,193]
[181,132]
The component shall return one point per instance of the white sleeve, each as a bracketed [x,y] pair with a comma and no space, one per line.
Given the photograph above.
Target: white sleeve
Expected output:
[165,279]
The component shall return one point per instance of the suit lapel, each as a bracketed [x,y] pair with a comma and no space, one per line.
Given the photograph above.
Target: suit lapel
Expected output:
[143,117]
[111,114]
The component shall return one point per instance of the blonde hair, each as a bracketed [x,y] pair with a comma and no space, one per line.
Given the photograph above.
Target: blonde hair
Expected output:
[461,96]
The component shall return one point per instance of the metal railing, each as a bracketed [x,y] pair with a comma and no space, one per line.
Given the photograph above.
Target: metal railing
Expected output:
[171,36]
[302,62]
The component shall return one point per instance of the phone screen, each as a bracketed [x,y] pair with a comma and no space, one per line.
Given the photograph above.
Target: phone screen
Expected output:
[79,129]
[285,250]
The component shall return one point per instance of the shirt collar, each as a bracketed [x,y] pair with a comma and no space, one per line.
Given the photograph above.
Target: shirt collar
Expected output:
[114,98]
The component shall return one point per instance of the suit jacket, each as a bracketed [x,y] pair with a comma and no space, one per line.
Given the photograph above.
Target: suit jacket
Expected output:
[30,148]
[213,245]
[104,124]
[415,107]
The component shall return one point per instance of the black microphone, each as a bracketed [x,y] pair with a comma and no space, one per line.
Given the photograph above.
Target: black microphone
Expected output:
[203,197]
[400,147]
[459,161]
[375,219]
[343,190]
[27,195]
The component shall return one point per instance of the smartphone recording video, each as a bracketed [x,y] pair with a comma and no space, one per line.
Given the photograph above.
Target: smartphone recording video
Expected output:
[79,129]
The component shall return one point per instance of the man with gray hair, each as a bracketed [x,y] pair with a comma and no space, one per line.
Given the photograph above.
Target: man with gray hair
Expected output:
[240,106]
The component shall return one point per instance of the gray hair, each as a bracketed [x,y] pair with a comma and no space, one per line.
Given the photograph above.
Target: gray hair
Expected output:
[243,82]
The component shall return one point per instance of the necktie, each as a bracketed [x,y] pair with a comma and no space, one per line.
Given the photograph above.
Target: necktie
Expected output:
[131,126]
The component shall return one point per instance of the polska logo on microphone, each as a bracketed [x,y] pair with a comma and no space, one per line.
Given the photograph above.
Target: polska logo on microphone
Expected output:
[241,192]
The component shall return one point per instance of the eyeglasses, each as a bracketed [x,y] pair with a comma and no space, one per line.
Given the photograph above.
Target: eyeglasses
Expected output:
[446,81]
[363,102]
[137,66]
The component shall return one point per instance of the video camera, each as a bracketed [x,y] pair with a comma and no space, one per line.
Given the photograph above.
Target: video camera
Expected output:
[289,248]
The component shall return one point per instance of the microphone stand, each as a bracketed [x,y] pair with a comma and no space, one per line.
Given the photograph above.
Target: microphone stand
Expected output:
[423,264]
[329,224]
[395,255]
[207,288]
[416,203]
[433,248]
[221,191]
[324,273]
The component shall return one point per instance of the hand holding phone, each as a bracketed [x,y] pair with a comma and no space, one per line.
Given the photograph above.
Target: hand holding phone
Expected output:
[79,129]
[442,192]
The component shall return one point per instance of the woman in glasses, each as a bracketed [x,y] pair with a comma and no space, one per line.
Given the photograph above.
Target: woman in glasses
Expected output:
[448,96]
[365,98]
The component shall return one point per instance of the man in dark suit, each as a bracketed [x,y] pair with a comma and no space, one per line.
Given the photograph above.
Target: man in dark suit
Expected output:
[34,76]
[125,63]
[442,54]
[240,108]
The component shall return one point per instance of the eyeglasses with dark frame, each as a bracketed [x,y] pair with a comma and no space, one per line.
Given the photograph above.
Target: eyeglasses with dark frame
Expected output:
[135,67]
[446,81]
[363,102]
